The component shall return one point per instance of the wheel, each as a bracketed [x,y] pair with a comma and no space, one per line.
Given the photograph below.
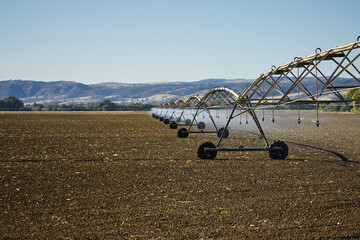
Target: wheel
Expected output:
[226,133]
[161,119]
[201,125]
[173,125]
[183,133]
[187,122]
[153,115]
[279,154]
[206,155]
[167,121]
[156,117]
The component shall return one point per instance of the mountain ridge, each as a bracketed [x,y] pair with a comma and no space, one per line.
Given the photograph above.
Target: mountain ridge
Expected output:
[65,92]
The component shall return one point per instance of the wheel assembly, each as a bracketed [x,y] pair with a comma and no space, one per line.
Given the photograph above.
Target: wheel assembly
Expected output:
[173,125]
[156,117]
[226,132]
[201,125]
[187,122]
[167,121]
[279,154]
[205,154]
[183,133]
[161,119]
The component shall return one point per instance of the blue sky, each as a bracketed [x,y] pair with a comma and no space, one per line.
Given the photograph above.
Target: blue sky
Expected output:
[93,41]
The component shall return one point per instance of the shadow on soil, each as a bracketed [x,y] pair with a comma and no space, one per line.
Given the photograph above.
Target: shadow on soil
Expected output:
[340,156]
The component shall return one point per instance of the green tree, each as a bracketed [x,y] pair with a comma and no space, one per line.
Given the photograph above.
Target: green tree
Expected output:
[106,105]
[37,107]
[11,103]
[354,94]
[53,107]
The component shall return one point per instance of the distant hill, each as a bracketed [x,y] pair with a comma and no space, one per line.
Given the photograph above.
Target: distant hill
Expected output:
[31,91]
[68,91]
[65,92]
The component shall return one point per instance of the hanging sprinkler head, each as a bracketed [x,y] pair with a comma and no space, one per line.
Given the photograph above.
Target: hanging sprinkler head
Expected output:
[263,119]
[299,120]
[273,120]
[317,123]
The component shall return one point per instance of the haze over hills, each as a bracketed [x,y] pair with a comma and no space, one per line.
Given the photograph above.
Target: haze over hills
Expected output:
[65,92]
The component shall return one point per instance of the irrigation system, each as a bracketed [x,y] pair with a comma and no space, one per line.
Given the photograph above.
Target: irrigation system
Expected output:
[335,71]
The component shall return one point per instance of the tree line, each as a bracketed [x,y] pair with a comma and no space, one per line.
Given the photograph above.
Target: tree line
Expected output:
[14,104]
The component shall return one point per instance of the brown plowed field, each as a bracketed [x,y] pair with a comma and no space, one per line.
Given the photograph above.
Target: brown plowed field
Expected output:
[128,176]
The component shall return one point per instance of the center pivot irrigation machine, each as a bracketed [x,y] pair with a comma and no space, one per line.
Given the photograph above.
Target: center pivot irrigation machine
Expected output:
[217,99]
[176,115]
[283,85]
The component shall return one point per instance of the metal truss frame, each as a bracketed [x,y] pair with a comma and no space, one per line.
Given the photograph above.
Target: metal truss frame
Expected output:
[283,85]
[218,98]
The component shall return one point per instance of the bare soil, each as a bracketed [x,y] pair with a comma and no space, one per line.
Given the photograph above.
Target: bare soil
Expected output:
[128,176]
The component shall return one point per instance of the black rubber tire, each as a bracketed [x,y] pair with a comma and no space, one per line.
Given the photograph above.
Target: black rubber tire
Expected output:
[156,117]
[201,125]
[161,119]
[173,125]
[183,133]
[187,122]
[206,155]
[226,133]
[153,115]
[279,154]
[167,121]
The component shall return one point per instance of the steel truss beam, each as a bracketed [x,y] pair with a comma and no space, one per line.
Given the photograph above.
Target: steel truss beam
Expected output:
[218,98]
[278,87]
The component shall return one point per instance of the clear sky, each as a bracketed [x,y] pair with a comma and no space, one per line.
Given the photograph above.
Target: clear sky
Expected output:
[93,41]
